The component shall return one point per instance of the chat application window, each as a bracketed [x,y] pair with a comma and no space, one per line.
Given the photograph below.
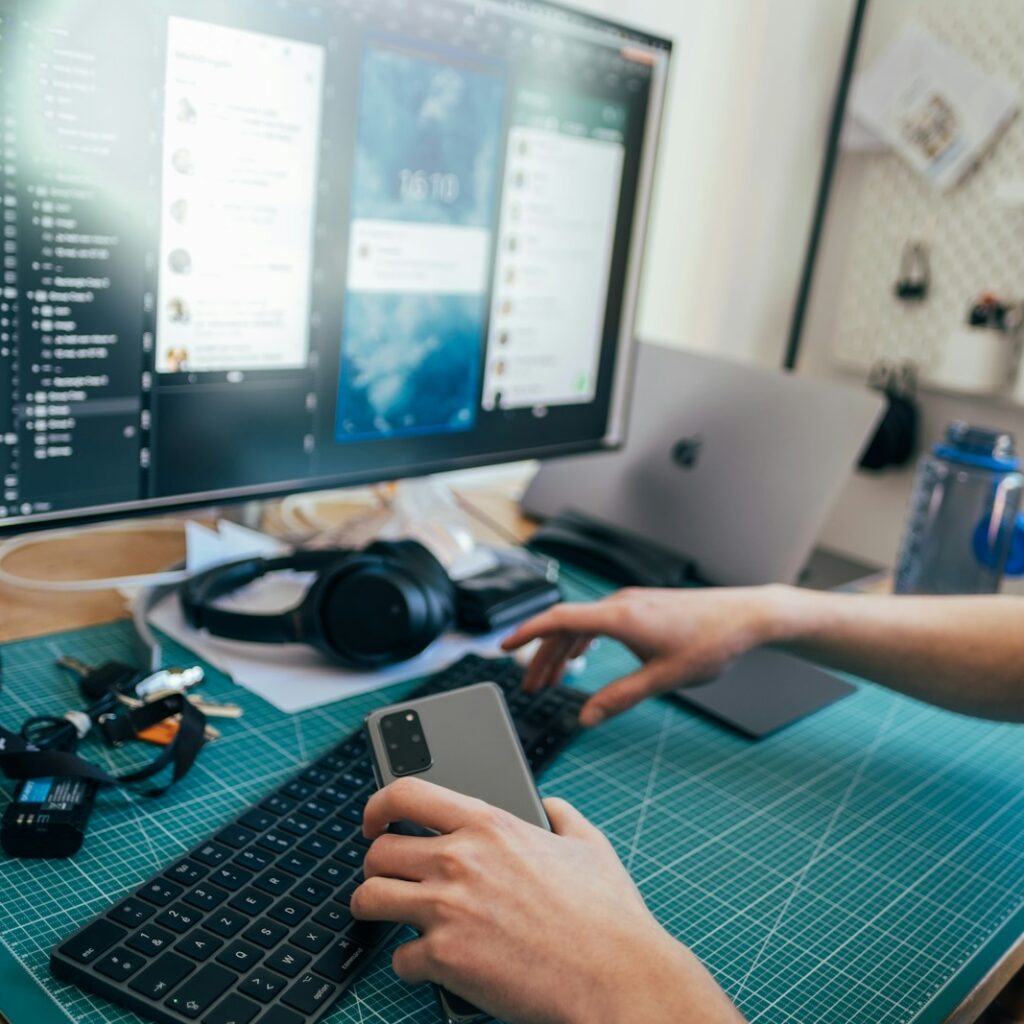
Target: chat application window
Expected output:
[240,147]
[563,178]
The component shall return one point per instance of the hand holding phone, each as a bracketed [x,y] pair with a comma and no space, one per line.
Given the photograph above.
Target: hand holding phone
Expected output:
[465,741]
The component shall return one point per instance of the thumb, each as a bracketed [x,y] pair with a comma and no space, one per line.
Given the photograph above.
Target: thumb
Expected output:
[621,696]
[566,820]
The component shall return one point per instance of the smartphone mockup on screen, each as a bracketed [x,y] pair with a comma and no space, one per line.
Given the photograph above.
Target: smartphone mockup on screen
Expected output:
[465,741]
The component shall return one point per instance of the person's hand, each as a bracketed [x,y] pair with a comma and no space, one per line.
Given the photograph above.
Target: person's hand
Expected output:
[683,637]
[531,926]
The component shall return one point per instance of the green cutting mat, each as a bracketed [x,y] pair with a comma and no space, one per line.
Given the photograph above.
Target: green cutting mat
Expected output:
[865,865]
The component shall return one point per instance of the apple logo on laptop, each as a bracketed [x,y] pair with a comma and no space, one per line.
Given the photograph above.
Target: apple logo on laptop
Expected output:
[686,453]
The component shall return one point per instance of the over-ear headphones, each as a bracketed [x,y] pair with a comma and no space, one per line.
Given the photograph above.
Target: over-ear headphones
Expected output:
[366,609]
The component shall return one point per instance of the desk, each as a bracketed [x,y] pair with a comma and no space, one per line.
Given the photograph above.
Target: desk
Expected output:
[896,828]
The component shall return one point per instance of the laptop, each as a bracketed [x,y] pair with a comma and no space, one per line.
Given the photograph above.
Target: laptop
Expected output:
[732,467]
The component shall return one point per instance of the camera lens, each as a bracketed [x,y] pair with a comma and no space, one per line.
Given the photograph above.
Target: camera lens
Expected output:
[416,738]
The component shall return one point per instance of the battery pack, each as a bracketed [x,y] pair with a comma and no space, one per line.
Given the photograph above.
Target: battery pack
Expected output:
[47,818]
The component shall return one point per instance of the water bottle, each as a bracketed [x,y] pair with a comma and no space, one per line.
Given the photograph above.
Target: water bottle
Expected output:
[966,527]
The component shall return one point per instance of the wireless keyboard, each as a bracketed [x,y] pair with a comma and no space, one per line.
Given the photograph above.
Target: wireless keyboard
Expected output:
[254,922]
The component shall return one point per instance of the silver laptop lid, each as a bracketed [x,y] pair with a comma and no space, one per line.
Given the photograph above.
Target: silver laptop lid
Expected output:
[736,467]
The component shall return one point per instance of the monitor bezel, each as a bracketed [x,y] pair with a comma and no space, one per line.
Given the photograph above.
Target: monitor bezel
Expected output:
[619,407]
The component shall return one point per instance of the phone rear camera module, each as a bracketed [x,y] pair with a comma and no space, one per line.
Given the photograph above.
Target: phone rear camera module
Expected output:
[408,753]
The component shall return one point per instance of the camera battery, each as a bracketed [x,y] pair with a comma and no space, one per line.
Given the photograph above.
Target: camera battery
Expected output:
[47,818]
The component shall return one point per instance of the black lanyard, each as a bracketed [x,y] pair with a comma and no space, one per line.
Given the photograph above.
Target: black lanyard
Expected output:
[21,760]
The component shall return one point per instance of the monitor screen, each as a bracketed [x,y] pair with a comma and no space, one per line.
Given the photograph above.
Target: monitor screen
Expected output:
[257,246]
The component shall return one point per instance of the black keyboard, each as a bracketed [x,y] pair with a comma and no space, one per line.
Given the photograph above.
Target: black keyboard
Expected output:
[253,924]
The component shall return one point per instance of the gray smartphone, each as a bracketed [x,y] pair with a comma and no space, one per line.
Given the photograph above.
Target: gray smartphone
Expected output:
[465,741]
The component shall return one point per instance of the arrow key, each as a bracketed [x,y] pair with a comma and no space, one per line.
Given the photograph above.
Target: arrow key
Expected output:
[234,1010]
[263,985]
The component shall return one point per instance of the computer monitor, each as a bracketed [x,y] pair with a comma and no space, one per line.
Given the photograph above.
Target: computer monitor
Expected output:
[252,247]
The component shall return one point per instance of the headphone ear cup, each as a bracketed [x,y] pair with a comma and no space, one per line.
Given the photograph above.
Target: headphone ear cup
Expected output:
[376,609]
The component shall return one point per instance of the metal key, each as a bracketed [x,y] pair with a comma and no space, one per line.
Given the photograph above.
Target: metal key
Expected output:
[214,710]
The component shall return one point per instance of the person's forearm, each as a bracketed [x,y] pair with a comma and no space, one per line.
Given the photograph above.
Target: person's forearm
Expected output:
[962,653]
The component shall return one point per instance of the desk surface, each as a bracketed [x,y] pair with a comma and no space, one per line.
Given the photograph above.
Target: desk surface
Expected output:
[867,865]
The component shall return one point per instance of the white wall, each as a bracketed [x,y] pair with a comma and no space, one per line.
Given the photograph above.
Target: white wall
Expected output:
[869,519]
[745,129]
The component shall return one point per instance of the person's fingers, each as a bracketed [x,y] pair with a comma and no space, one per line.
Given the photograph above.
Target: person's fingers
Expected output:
[419,801]
[411,858]
[581,647]
[599,617]
[566,820]
[624,694]
[391,899]
[547,661]
[411,962]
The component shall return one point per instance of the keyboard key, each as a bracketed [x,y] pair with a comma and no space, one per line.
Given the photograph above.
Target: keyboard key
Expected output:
[309,994]
[298,790]
[235,836]
[119,964]
[186,872]
[353,813]
[334,916]
[289,911]
[336,795]
[132,913]
[178,918]
[312,892]
[275,842]
[354,746]
[316,776]
[370,933]
[333,873]
[150,940]
[200,945]
[230,877]
[345,894]
[89,943]
[317,846]
[296,864]
[342,960]
[277,804]
[297,825]
[351,855]
[287,960]
[233,1010]
[202,990]
[312,938]
[265,933]
[258,821]
[254,859]
[336,830]
[251,902]
[263,985]
[240,956]
[277,883]
[206,897]
[162,975]
[160,892]
[315,809]
[226,923]
[212,854]
[279,1015]
[353,780]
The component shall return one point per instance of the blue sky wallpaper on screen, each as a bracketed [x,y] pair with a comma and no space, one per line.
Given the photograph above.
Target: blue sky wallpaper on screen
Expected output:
[423,210]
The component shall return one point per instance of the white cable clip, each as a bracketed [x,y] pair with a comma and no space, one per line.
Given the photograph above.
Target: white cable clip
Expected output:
[80,720]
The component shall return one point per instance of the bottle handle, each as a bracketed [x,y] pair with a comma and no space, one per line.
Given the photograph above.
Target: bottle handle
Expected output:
[1015,563]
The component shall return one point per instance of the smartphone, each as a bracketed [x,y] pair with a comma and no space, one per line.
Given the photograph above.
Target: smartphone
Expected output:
[463,740]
